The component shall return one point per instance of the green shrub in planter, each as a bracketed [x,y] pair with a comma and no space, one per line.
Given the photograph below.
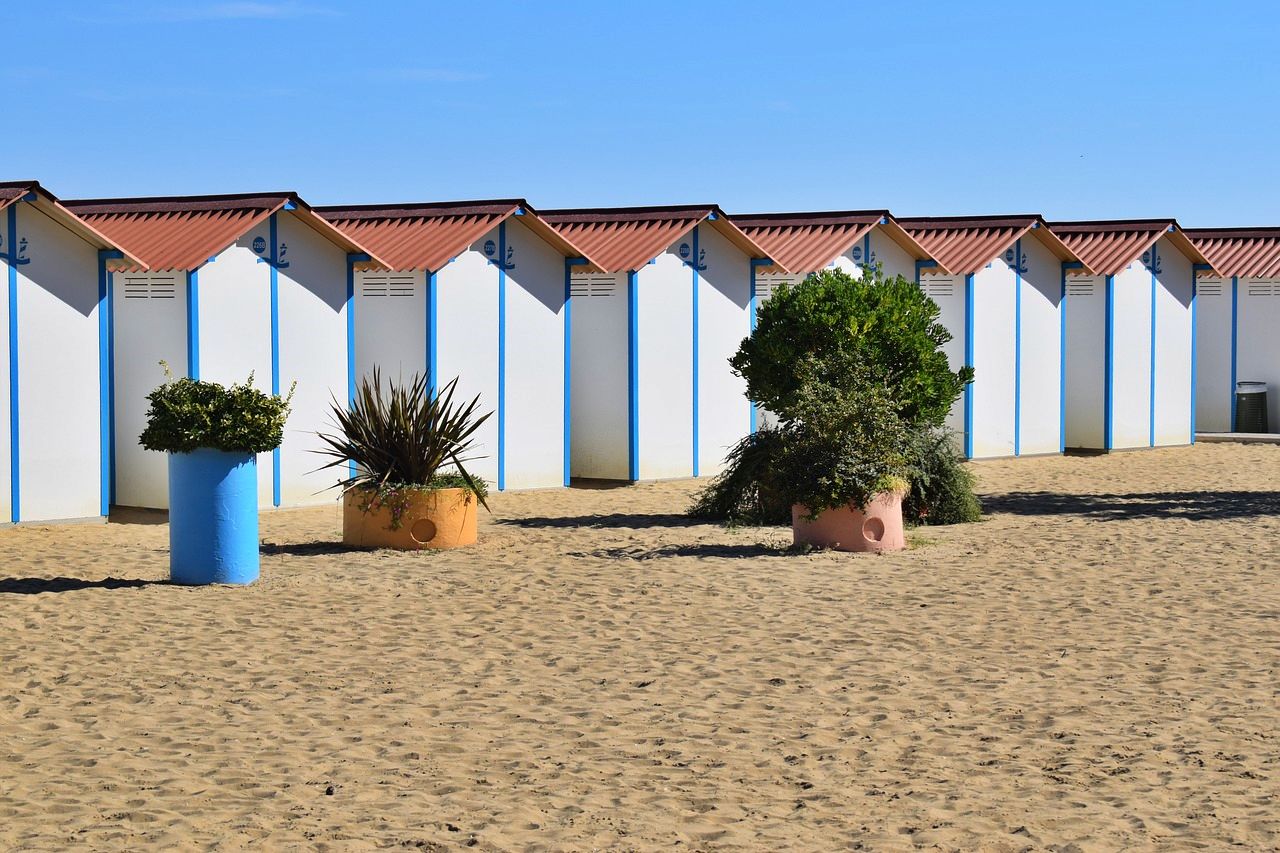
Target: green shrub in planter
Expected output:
[188,414]
[853,371]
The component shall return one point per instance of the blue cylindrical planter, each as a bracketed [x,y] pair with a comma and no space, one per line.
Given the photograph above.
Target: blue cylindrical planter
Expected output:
[213,517]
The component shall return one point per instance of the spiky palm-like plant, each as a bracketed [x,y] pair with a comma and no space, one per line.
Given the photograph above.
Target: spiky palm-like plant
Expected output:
[400,435]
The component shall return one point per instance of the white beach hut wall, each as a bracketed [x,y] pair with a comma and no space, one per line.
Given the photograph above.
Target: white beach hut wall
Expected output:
[52,455]
[1237,316]
[1129,334]
[229,285]
[475,290]
[998,281]
[653,328]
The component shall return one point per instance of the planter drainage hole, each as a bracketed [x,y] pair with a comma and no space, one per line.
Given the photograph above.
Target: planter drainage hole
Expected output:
[423,531]
[873,529]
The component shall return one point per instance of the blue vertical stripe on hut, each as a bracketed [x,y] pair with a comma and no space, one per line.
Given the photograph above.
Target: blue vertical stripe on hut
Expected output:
[106,390]
[193,324]
[352,259]
[866,250]
[1017,347]
[502,355]
[1109,361]
[275,348]
[433,339]
[633,377]
[15,453]
[968,361]
[755,305]
[1151,398]
[694,264]
[1235,338]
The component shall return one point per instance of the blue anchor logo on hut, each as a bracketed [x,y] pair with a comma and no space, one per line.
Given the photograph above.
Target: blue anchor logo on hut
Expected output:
[491,251]
[1151,260]
[1016,260]
[18,258]
[686,253]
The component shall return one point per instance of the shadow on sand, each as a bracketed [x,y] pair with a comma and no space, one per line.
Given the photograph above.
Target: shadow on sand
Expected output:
[36,586]
[307,549]
[627,521]
[1194,506]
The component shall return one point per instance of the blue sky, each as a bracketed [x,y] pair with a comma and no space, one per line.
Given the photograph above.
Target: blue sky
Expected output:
[1076,110]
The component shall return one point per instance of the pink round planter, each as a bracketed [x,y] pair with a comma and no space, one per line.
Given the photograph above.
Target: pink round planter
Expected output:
[876,528]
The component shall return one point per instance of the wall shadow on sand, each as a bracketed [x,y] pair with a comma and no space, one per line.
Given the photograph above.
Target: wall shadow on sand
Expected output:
[36,586]
[1193,506]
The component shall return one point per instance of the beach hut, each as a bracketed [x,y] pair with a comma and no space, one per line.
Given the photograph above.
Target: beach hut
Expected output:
[653,328]
[1129,335]
[52,455]
[1237,316]
[998,283]
[228,285]
[474,290]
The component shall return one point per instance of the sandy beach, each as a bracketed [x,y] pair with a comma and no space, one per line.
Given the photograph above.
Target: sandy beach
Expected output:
[1093,667]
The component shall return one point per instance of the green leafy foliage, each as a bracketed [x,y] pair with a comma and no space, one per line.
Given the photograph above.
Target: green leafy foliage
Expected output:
[187,414]
[747,492]
[842,444]
[941,486]
[816,329]
[401,437]
[853,371]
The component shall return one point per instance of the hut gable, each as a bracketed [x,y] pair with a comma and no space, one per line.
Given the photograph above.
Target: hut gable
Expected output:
[427,236]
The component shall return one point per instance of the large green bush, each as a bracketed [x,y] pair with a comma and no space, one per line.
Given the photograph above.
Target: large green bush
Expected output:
[817,329]
[188,414]
[853,373]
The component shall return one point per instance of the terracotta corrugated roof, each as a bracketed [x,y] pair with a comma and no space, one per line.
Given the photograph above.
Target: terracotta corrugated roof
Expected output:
[49,204]
[183,232]
[807,242]
[624,239]
[966,244]
[427,236]
[1109,245]
[1244,252]
[11,191]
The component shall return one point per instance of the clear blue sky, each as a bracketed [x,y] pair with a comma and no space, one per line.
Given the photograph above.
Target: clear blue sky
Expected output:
[1076,110]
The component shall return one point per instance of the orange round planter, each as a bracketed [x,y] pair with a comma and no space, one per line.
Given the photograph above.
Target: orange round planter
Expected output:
[435,518]
[878,527]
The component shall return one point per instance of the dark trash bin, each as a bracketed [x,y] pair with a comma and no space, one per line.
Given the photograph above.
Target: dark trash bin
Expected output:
[1251,407]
